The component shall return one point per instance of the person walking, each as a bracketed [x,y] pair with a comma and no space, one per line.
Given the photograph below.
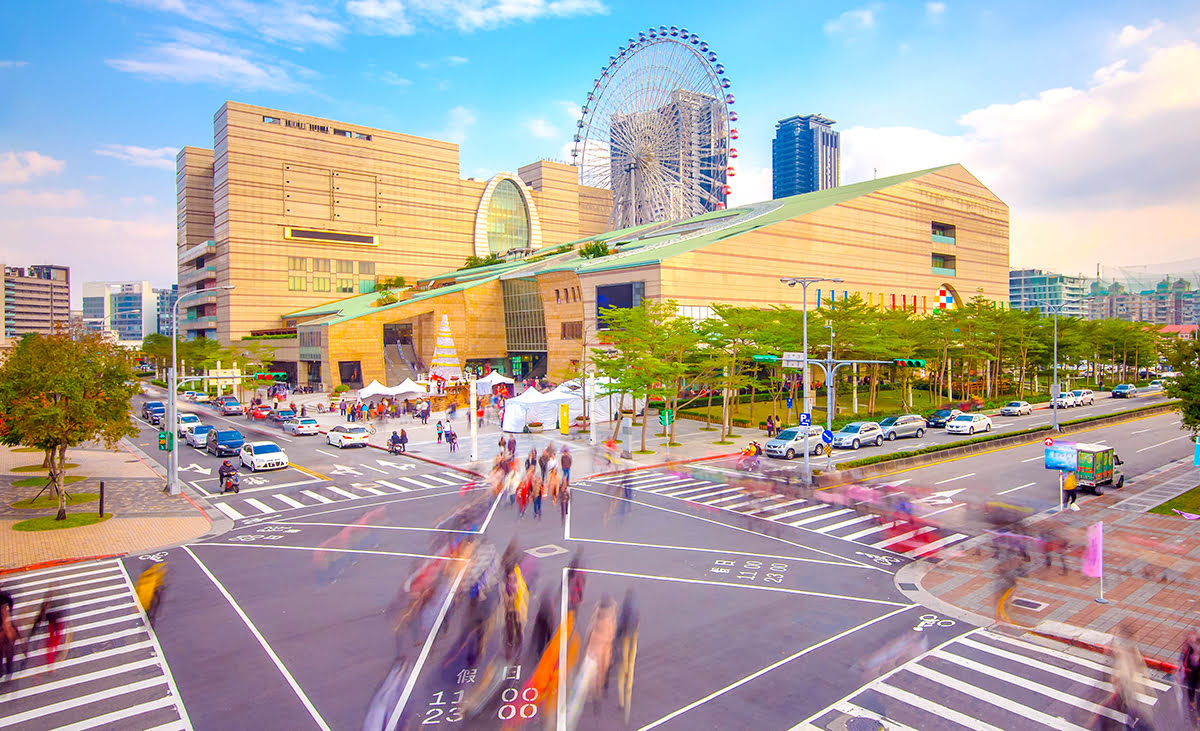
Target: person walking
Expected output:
[626,642]
[440,429]
[564,498]
[512,447]
[1189,668]
[539,489]
[8,635]
[53,612]
[403,441]
[564,461]
[1069,490]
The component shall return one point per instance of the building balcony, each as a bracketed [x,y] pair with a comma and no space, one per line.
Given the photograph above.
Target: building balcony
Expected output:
[192,276]
[942,239]
[944,271]
[201,249]
[201,322]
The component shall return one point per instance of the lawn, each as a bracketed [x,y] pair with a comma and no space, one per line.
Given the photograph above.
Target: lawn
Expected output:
[73,520]
[1188,502]
[38,467]
[43,481]
[50,502]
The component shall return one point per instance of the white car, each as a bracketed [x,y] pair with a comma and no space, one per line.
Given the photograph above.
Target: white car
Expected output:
[347,435]
[197,436]
[1016,408]
[858,433]
[1084,397]
[186,422]
[1066,400]
[301,425]
[968,424]
[262,456]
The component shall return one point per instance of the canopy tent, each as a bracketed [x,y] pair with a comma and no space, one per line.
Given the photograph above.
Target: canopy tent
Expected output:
[408,387]
[534,406]
[495,378]
[374,388]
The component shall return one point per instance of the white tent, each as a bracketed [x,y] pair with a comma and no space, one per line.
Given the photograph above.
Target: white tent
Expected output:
[408,387]
[374,388]
[494,378]
[533,406]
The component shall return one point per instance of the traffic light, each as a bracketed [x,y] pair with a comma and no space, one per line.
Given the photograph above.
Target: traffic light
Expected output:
[166,441]
[909,362]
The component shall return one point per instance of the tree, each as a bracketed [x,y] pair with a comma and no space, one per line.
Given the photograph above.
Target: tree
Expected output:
[474,262]
[60,390]
[624,355]
[594,250]
[1184,358]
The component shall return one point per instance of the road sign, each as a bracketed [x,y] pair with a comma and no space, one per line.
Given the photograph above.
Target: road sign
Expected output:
[793,360]
[828,449]
[1062,456]
[666,417]
[827,436]
[1049,441]
[767,358]
[806,420]
[1055,390]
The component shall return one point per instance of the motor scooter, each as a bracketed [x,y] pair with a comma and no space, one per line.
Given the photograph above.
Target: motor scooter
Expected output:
[232,484]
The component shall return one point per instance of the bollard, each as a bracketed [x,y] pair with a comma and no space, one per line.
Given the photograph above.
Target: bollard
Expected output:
[101,498]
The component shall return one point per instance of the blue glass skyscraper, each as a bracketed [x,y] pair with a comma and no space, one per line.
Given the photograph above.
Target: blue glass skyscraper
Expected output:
[805,156]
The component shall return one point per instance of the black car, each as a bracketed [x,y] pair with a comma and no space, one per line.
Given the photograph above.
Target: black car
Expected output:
[940,417]
[149,405]
[223,442]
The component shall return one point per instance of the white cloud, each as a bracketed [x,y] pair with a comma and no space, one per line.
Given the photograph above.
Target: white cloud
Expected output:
[458,121]
[935,10]
[750,185]
[193,58]
[1111,165]
[850,21]
[541,129]
[1132,35]
[457,60]
[281,20]
[162,158]
[391,77]
[398,17]
[21,167]
[13,64]
[22,198]
[389,17]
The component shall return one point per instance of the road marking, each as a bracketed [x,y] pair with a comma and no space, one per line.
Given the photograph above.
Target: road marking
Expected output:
[392,485]
[743,503]
[316,496]
[1139,431]
[260,506]
[818,518]
[939,543]
[771,667]
[752,587]
[872,529]
[1176,439]
[443,481]
[844,523]
[327,454]
[1082,661]
[111,719]
[798,511]
[737,495]
[691,490]
[936,709]
[854,711]
[369,467]
[27,588]
[343,493]
[902,537]
[713,494]
[75,680]
[414,481]
[994,699]
[686,484]
[291,502]
[372,490]
[1034,459]
[312,711]
[942,510]
[228,511]
[1014,489]
[82,701]
[952,479]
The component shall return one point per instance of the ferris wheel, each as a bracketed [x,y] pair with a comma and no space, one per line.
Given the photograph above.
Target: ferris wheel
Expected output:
[656,129]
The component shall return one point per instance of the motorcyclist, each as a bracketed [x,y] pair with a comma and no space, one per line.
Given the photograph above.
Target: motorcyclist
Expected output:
[228,477]
[394,443]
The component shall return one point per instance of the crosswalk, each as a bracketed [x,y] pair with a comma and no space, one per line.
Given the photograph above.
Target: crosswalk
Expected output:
[109,673]
[985,680]
[237,506]
[805,513]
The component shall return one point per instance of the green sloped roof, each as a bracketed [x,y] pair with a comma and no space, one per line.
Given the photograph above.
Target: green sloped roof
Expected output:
[350,308]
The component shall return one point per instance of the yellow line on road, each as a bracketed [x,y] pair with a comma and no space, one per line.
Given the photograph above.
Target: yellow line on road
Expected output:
[1001,449]
[307,471]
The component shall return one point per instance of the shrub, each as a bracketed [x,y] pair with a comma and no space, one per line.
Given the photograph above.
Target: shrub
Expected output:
[594,250]
[341,388]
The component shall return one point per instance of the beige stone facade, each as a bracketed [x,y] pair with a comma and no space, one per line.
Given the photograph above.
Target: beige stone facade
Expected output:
[303,210]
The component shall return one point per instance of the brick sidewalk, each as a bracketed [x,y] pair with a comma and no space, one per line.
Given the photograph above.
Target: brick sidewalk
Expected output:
[1151,576]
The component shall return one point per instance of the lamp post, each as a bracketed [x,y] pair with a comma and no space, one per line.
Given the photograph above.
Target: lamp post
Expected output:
[804,282]
[172,379]
[1055,388]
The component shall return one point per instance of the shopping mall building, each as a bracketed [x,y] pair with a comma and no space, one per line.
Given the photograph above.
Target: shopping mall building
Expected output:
[922,241]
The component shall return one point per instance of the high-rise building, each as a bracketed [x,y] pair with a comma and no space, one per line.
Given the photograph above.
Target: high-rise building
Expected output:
[36,298]
[166,301]
[129,309]
[805,156]
[1047,292]
[1171,302]
[292,211]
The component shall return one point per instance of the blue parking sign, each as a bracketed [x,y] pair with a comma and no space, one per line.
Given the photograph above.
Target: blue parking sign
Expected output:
[827,436]
[806,420]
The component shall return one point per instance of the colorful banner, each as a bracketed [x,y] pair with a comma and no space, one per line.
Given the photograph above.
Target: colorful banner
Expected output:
[1093,555]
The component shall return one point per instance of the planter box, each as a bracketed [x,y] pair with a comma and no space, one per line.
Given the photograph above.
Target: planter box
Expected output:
[534,428]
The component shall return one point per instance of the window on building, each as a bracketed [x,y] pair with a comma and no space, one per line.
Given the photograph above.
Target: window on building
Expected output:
[297,284]
[320,284]
[345,267]
[342,132]
[297,264]
[350,373]
[366,285]
[945,264]
[270,120]
[558,296]
[572,330]
[943,233]
[361,136]
[345,286]
[507,219]
[320,265]
[366,267]
[629,294]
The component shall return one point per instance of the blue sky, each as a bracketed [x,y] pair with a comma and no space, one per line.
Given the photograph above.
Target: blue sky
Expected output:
[1081,116]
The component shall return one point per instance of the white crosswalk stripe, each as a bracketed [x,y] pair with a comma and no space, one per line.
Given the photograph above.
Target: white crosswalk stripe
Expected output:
[809,513]
[986,680]
[109,672]
[394,486]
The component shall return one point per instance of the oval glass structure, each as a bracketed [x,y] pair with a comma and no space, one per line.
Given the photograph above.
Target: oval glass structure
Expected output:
[507,219]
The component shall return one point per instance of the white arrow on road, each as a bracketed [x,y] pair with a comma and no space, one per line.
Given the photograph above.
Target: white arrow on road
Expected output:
[196,468]
[343,470]
[397,465]
[944,497]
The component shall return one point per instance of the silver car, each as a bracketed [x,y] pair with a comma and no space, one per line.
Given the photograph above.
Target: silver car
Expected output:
[1016,408]
[909,425]
[858,433]
[790,442]
[1084,396]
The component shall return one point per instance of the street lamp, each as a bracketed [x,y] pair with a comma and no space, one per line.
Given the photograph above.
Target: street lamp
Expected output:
[804,282]
[172,381]
[1055,387]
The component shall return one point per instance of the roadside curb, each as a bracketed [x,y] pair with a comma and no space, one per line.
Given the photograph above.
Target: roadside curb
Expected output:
[57,562]
[1153,663]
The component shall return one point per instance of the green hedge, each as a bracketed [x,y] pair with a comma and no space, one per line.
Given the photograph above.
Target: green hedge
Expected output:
[977,440]
[160,384]
[277,336]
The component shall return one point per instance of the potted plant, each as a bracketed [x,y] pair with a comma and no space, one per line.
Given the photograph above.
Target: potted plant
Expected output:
[535,426]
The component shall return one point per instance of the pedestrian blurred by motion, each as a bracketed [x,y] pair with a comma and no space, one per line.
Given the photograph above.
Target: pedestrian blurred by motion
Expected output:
[440,429]
[626,643]
[538,488]
[1189,668]
[1069,485]
[523,491]
[1129,678]
[602,633]
[512,446]
[564,499]
[543,626]
[544,458]
[52,611]
[564,461]
[1053,544]
[576,583]
[8,635]
[516,611]
[531,459]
